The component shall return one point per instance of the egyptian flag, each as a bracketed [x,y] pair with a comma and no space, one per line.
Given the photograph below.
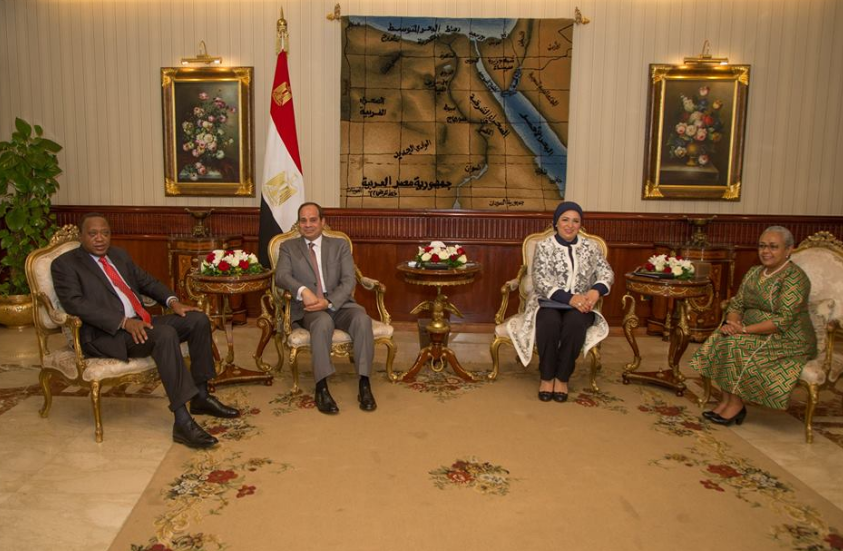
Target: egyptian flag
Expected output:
[282,186]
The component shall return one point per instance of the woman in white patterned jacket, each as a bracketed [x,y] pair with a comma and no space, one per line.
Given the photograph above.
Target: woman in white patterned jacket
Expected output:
[569,274]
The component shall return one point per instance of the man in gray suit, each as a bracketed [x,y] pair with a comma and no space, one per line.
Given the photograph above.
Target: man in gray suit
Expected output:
[319,272]
[101,285]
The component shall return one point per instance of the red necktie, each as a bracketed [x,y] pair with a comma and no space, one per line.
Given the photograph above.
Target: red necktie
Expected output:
[319,291]
[120,284]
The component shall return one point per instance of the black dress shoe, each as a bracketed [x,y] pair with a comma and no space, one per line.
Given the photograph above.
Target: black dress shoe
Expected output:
[192,435]
[212,406]
[325,402]
[711,415]
[545,396]
[736,419]
[366,398]
[560,397]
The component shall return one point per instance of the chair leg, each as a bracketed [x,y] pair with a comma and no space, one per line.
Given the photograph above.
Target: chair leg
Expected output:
[494,351]
[95,401]
[595,367]
[813,396]
[390,358]
[294,369]
[706,392]
[44,377]
[279,347]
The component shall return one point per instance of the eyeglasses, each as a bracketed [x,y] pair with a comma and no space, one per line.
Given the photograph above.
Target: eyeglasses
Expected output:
[771,247]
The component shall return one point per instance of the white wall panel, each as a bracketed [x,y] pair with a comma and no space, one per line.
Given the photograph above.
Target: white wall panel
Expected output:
[88,72]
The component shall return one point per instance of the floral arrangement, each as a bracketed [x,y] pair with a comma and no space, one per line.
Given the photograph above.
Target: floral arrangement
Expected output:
[204,137]
[699,129]
[438,253]
[230,263]
[676,266]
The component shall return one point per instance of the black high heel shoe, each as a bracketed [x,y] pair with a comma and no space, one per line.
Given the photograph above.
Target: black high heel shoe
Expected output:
[736,419]
[711,415]
[545,396]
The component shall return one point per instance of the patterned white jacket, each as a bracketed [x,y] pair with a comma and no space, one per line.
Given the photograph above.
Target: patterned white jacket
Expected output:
[552,271]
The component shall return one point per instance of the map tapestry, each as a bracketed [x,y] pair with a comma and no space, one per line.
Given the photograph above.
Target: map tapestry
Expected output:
[454,113]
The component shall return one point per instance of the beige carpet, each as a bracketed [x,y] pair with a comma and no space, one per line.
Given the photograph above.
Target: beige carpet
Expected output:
[447,465]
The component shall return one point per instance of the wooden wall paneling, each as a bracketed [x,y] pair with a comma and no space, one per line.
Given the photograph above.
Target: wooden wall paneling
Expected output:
[382,239]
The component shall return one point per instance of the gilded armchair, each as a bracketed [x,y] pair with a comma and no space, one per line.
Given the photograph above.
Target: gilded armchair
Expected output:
[63,357]
[821,257]
[291,339]
[523,283]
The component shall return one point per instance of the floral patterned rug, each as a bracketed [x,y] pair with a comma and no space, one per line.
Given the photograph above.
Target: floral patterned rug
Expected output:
[444,464]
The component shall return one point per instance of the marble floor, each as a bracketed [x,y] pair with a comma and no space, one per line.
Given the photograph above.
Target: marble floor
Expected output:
[59,489]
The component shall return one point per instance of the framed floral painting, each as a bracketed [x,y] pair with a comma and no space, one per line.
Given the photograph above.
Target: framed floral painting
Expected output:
[208,131]
[695,131]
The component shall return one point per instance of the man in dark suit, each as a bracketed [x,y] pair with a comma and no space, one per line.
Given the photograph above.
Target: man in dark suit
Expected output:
[101,285]
[319,271]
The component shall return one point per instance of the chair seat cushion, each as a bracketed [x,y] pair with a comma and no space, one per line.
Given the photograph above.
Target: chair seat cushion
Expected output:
[500,329]
[301,337]
[812,372]
[64,360]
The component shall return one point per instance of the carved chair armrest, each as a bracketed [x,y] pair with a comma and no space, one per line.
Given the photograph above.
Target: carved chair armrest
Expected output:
[506,290]
[379,289]
[74,323]
[283,304]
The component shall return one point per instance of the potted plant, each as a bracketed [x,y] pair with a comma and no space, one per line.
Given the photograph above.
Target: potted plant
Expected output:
[28,170]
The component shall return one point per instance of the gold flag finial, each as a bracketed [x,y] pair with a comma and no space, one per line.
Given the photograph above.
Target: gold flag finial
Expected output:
[281,39]
[579,18]
[335,15]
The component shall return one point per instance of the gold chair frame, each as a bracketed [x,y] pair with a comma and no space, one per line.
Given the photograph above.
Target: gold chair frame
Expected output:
[528,248]
[826,241]
[50,319]
[279,308]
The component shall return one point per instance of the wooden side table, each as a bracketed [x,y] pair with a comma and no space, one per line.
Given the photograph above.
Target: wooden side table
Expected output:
[437,355]
[721,257]
[182,250]
[688,295]
[199,286]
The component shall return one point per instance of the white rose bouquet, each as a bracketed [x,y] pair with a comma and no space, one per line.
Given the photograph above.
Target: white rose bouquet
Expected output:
[230,263]
[438,253]
[676,266]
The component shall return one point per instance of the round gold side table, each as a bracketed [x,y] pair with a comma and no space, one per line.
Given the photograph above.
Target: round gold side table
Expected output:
[437,355]
[200,286]
[687,294]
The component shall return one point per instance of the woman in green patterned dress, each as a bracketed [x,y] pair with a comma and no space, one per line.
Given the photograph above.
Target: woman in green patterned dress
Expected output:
[758,353]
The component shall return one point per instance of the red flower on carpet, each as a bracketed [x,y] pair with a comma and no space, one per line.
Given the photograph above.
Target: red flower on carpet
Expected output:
[255,411]
[245,491]
[221,477]
[307,402]
[670,411]
[460,477]
[724,470]
[691,425]
[159,547]
[645,409]
[417,386]
[219,429]
[711,485]
[835,541]
[586,401]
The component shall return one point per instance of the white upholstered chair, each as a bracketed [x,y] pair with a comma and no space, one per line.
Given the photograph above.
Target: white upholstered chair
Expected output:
[523,283]
[291,339]
[821,257]
[63,358]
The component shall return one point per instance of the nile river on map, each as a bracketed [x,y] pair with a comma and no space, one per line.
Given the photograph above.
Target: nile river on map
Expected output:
[455,113]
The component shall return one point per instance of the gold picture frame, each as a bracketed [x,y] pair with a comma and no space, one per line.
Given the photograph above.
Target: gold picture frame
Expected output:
[208,131]
[706,100]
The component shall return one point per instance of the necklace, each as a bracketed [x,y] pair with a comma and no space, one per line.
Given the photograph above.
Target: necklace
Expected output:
[765,275]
